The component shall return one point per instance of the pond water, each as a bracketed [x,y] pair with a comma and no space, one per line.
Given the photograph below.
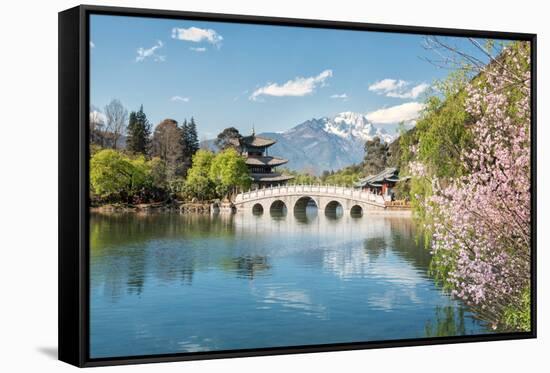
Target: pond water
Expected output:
[166,283]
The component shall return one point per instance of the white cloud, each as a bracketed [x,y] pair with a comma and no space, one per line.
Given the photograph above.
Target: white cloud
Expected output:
[197,35]
[413,93]
[198,49]
[407,112]
[180,99]
[297,87]
[343,96]
[387,85]
[92,45]
[398,88]
[143,53]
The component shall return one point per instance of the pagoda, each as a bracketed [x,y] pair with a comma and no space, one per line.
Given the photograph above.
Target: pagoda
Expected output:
[261,166]
[382,183]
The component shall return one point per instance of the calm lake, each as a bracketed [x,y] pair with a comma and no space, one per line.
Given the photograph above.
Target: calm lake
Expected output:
[165,283]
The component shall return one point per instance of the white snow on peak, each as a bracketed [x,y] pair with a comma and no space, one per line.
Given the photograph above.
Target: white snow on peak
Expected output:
[355,127]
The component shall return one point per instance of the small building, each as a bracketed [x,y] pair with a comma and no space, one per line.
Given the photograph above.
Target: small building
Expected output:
[382,183]
[261,166]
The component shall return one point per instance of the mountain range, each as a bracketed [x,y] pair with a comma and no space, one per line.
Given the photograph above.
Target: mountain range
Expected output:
[327,143]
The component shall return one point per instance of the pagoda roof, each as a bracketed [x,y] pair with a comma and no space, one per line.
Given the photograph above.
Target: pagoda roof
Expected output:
[272,177]
[256,141]
[265,161]
[389,174]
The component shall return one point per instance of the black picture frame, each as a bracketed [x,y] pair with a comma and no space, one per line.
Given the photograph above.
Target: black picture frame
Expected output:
[73,250]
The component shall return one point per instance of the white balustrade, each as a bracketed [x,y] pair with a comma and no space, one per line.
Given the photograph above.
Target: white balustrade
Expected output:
[322,190]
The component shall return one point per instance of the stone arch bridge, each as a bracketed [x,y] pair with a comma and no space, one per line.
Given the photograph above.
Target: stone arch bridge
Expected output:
[295,197]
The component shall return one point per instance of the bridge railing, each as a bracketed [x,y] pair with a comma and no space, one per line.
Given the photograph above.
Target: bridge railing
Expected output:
[327,190]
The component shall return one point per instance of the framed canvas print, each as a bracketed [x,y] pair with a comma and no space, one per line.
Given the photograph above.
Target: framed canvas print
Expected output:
[234,186]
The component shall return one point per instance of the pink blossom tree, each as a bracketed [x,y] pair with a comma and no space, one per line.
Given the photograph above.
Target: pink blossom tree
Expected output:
[481,221]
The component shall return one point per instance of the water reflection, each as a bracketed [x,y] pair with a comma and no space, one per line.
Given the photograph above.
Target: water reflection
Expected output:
[448,321]
[164,283]
[307,213]
[247,266]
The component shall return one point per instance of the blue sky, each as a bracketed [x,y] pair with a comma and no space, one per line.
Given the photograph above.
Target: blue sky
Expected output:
[272,77]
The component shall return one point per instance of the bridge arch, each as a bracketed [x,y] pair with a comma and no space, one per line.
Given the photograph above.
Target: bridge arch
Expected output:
[327,197]
[356,211]
[257,209]
[334,209]
[278,208]
[301,204]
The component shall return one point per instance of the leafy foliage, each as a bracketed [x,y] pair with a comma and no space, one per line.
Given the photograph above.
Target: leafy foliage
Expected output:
[223,140]
[198,183]
[344,177]
[229,171]
[189,144]
[113,175]
[376,156]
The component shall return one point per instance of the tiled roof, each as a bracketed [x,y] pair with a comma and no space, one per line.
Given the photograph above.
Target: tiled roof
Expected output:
[257,141]
[272,177]
[265,161]
[389,174]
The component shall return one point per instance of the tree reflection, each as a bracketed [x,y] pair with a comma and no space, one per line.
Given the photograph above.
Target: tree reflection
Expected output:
[246,266]
[409,244]
[374,247]
[448,321]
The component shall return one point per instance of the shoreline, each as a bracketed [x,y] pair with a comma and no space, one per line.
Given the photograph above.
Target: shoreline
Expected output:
[208,208]
[176,206]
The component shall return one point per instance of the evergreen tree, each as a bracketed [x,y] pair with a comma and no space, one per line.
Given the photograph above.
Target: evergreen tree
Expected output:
[193,137]
[139,132]
[185,160]
[132,131]
[189,142]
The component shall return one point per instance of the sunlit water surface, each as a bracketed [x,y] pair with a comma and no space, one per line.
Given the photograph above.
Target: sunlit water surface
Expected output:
[167,283]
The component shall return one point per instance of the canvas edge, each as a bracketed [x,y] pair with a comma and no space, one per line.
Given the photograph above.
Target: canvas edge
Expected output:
[70,276]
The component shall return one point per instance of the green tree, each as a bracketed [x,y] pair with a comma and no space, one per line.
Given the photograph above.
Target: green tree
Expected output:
[139,132]
[192,137]
[114,176]
[300,177]
[441,133]
[189,145]
[198,183]
[226,137]
[158,175]
[345,177]
[229,172]
[376,156]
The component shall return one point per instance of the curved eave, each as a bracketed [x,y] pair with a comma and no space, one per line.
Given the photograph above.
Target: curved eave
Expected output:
[257,141]
[266,161]
[267,178]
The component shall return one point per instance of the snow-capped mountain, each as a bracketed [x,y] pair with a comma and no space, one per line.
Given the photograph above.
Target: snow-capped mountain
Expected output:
[325,143]
[328,143]
[355,126]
